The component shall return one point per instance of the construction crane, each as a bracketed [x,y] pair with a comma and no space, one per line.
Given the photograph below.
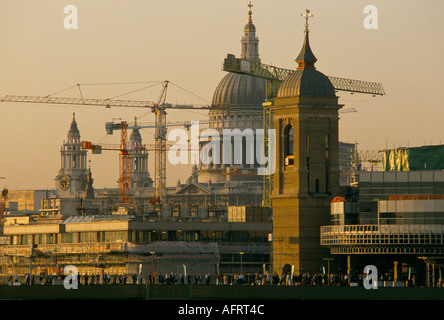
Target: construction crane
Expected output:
[124,149]
[275,76]
[374,157]
[158,108]
[124,159]
[3,206]
[160,148]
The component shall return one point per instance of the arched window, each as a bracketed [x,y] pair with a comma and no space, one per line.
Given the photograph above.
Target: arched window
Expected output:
[289,140]
[288,147]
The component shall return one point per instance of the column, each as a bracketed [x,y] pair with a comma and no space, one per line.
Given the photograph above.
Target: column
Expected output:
[397,270]
[351,269]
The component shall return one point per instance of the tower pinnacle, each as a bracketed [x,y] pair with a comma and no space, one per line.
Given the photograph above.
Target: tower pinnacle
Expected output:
[250,43]
[306,15]
[306,59]
[249,5]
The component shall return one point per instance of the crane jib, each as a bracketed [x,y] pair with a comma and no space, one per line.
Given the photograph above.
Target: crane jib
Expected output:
[278,75]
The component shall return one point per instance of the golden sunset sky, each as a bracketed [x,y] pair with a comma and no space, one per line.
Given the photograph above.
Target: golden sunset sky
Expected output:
[185,42]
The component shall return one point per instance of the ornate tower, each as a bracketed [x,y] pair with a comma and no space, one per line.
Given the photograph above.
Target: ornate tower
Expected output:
[249,41]
[305,116]
[72,178]
[138,171]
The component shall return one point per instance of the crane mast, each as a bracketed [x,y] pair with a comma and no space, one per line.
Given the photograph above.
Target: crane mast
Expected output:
[3,203]
[160,148]
[160,153]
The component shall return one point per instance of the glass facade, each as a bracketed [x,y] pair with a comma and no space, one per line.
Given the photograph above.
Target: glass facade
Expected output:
[142,237]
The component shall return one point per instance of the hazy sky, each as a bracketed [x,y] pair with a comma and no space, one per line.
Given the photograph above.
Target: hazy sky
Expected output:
[185,42]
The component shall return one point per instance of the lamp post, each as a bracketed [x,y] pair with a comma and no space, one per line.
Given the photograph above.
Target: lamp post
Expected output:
[328,268]
[152,266]
[241,254]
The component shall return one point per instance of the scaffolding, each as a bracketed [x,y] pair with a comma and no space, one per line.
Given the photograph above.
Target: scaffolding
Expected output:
[91,258]
[98,258]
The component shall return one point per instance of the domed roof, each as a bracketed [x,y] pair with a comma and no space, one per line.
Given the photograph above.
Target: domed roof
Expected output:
[240,90]
[307,82]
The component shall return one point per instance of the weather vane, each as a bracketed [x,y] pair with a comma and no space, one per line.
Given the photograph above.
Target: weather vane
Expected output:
[306,15]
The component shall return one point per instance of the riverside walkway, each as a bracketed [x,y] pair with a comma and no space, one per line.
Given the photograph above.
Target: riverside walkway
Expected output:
[215,292]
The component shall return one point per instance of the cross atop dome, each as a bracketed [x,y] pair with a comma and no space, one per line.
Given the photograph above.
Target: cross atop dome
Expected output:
[307,15]
[249,5]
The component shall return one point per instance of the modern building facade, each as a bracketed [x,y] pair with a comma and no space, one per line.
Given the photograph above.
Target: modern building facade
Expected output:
[126,244]
[396,224]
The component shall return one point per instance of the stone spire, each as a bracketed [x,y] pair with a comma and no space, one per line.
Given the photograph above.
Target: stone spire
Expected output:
[89,190]
[73,129]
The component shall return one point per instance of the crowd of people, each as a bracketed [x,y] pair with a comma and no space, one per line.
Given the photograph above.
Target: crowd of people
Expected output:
[83,279]
[171,278]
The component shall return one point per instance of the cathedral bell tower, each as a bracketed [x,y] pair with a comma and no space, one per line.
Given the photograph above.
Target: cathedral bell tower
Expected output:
[138,171]
[305,116]
[72,178]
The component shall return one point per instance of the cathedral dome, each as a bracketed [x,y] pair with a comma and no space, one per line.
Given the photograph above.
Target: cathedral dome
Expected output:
[240,90]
